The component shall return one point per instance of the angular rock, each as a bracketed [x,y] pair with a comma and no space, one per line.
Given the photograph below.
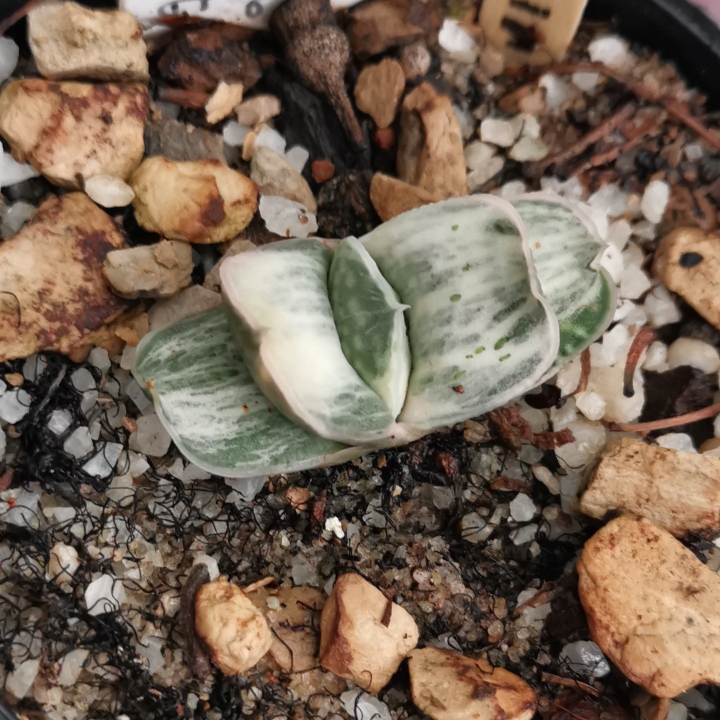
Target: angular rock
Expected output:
[223,101]
[652,606]
[257,110]
[180,142]
[158,271]
[390,196]
[677,491]
[274,175]
[447,686]
[363,635]
[68,40]
[292,614]
[430,150]
[191,301]
[109,192]
[688,262]
[415,60]
[52,274]
[63,563]
[233,630]
[70,131]
[378,90]
[199,202]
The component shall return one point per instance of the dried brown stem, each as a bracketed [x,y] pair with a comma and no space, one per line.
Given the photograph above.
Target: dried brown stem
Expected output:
[569,682]
[584,371]
[259,584]
[644,337]
[195,99]
[19,14]
[646,427]
[602,130]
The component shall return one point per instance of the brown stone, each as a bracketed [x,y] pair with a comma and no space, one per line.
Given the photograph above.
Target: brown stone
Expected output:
[384,137]
[274,175]
[678,491]
[378,90]
[430,150]
[447,686]
[322,170]
[258,110]
[200,202]
[364,636]
[688,262]
[390,196]
[70,131]
[415,60]
[652,606]
[54,294]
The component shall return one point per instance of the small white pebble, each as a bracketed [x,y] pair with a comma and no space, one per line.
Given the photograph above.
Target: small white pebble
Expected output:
[109,191]
[696,353]
[454,38]
[677,441]
[210,563]
[694,151]
[612,260]
[634,283]
[586,81]
[655,200]
[619,233]
[610,199]
[297,156]
[333,525]
[661,307]
[234,134]
[271,138]
[528,149]
[106,594]
[286,217]
[556,90]
[591,405]
[498,132]
[716,426]
[478,154]
[9,54]
[656,358]
[12,172]
[522,508]
[609,50]
[512,189]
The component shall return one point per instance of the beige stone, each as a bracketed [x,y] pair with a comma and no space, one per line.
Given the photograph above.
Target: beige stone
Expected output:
[258,110]
[293,615]
[678,491]
[54,294]
[150,271]
[430,148]
[415,60]
[68,40]
[234,632]
[202,201]
[688,262]
[190,302]
[652,606]
[378,90]
[70,131]
[223,101]
[391,197]
[381,24]
[364,636]
[274,175]
[448,686]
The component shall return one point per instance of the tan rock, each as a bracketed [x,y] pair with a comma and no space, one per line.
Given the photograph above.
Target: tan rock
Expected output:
[678,491]
[258,110]
[448,686]
[223,101]
[415,60]
[68,40]
[652,606]
[177,141]
[155,271]
[190,302]
[70,131]
[430,149]
[381,24]
[212,279]
[234,632]
[274,175]
[54,294]
[200,202]
[688,262]
[293,615]
[363,635]
[391,197]
[378,90]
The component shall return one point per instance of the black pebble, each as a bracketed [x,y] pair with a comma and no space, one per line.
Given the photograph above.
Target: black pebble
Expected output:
[690,259]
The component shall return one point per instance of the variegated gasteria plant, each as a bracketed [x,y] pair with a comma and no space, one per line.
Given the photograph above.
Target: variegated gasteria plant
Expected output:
[326,349]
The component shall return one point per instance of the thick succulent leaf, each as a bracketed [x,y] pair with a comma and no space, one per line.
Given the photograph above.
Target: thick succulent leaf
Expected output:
[285,326]
[566,250]
[370,322]
[480,331]
[215,413]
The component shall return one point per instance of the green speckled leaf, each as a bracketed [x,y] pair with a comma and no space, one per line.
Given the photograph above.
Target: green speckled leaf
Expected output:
[370,322]
[565,250]
[480,331]
[215,413]
[285,326]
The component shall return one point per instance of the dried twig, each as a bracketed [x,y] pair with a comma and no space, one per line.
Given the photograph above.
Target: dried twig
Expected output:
[646,427]
[584,371]
[259,584]
[644,337]
[600,131]
[194,99]
[569,682]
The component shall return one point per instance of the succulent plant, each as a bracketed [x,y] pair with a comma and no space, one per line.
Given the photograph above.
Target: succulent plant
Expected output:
[309,362]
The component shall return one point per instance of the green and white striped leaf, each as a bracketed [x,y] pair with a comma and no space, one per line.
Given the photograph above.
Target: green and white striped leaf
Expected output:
[285,326]
[370,322]
[481,333]
[566,250]
[212,408]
